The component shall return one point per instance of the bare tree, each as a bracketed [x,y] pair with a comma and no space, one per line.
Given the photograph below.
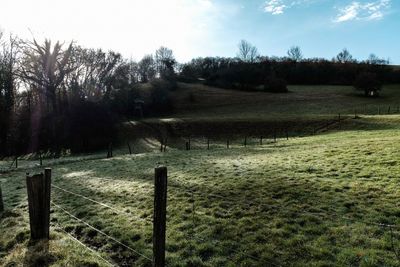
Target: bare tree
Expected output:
[375,60]
[8,90]
[44,68]
[165,61]
[247,52]
[295,54]
[344,56]
[147,68]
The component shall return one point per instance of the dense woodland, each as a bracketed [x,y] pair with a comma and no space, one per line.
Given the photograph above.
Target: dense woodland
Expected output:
[63,97]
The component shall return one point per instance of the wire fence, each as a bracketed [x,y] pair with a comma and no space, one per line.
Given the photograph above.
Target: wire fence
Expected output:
[101,232]
[192,192]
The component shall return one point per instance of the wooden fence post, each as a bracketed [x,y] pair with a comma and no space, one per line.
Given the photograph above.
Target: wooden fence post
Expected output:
[208,143]
[245,141]
[159,216]
[389,110]
[227,143]
[110,150]
[16,162]
[129,148]
[1,200]
[40,158]
[287,134]
[39,187]
[187,145]
[261,140]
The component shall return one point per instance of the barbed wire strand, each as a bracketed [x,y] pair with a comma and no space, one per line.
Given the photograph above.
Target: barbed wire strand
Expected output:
[83,245]
[102,204]
[193,191]
[103,233]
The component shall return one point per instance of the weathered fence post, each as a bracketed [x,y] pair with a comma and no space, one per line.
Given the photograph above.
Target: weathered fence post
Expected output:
[208,143]
[245,141]
[261,139]
[165,144]
[39,187]
[227,143]
[389,110]
[287,134]
[1,200]
[129,148]
[16,162]
[159,216]
[110,150]
[187,145]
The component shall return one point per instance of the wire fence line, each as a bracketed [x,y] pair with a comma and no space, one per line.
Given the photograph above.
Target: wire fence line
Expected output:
[255,204]
[101,232]
[96,253]
[104,205]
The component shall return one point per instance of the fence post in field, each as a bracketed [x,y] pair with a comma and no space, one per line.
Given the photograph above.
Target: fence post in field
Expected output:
[208,143]
[227,143]
[165,144]
[389,110]
[129,148]
[38,187]
[245,141]
[275,135]
[187,145]
[159,216]
[110,150]
[1,200]
[261,139]
[16,162]
[40,158]
[287,134]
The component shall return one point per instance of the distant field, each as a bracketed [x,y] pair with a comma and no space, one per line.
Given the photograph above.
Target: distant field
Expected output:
[195,101]
[311,201]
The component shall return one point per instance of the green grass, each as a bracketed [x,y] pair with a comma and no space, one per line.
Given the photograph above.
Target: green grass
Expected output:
[199,102]
[311,201]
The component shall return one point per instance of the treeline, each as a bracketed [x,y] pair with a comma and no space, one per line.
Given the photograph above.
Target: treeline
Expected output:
[57,97]
[63,97]
[249,70]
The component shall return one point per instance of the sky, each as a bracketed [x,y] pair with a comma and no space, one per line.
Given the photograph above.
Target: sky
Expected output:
[199,28]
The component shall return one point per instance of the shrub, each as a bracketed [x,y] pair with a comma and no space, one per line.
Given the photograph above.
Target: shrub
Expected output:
[275,85]
[369,83]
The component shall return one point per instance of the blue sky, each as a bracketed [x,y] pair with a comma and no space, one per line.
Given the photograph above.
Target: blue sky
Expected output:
[195,28]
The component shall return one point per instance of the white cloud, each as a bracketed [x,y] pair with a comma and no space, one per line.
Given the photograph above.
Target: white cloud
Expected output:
[275,7]
[363,11]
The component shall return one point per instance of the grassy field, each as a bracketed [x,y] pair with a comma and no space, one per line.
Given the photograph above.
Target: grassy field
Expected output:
[310,201]
[199,102]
